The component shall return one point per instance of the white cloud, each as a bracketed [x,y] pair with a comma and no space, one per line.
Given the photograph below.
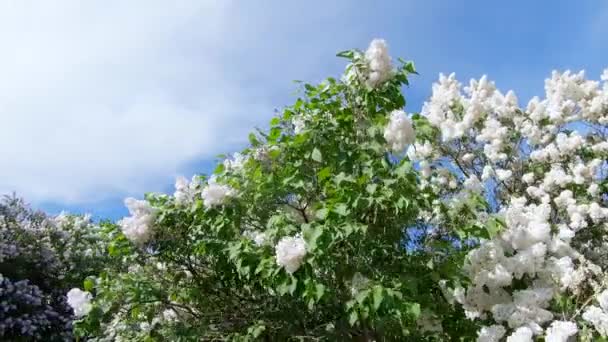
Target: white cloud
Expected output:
[110,97]
[103,99]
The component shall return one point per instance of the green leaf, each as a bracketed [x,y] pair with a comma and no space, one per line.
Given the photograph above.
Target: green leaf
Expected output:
[316,155]
[371,188]
[341,209]
[322,213]
[346,54]
[293,286]
[275,133]
[353,317]
[413,309]
[324,173]
[342,177]
[361,295]
[283,287]
[311,235]
[320,291]
[253,140]
[219,168]
[275,121]
[378,296]
[89,284]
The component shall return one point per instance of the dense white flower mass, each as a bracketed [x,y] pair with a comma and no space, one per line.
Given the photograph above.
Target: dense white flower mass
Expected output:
[545,177]
[185,191]
[290,252]
[491,334]
[235,163]
[80,301]
[379,65]
[399,132]
[598,316]
[523,334]
[560,331]
[215,194]
[299,124]
[521,191]
[258,237]
[170,315]
[138,227]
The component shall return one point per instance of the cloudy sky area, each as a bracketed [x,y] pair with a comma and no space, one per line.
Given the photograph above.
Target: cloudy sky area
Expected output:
[105,99]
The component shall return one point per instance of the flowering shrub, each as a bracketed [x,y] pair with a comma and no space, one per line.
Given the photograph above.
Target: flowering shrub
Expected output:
[541,172]
[41,258]
[352,220]
[301,235]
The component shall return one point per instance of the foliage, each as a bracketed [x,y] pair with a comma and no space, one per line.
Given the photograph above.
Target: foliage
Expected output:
[350,220]
[542,172]
[301,236]
[40,259]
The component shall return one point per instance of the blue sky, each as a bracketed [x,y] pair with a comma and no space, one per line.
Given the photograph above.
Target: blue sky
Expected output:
[102,100]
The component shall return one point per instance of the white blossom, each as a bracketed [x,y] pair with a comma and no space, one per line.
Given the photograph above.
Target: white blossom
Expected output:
[528,178]
[138,226]
[420,151]
[170,315]
[543,212]
[523,334]
[235,163]
[80,301]
[560,331]
[258,237]
[358,283]
[215,194]
[598,318]
[378,62]
[473,184]
[503,175]
[491,334]
[185,191]
[399,132]
[290,252]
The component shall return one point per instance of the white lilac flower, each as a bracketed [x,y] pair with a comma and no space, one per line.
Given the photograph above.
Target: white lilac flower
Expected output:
[170,315]
[138,227]
[215,194]
[182,190]
[473,184]
[503,175]
[420,151]
[235,163]
[523,334]
[598,318]
[542,213]
[399,132]
[602,299]
[290,253]
[560,331]
[491,334]
[80,301]
[378,63]
[468,157]
[528,178]
[299,124]
[487,173]
[358,283]
[185,191]
[258,237]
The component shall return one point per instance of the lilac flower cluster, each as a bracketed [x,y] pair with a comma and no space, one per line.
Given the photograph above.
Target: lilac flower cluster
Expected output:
[41,258]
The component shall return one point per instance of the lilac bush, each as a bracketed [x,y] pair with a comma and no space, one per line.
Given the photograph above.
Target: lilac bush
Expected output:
[41,258]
